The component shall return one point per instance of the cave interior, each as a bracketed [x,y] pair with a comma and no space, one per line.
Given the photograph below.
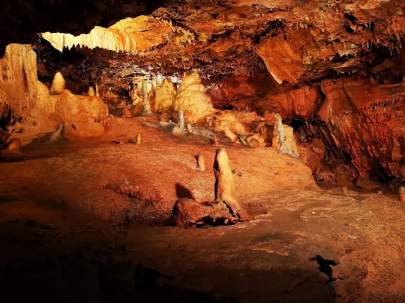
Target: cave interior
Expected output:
[202,151]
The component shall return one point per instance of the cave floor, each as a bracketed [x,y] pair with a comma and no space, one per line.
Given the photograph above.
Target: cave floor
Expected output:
[66,237]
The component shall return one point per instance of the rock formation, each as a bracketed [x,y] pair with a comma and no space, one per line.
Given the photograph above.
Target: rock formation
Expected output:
[58,84]
[131,34]
[191,98]
[81,115]
[283,138]
[200,162]
[146,108]
[165,95]
[225,209]
[359,114]
[91,92]
[225,184]
[18,79]
[402,194]
[138,139]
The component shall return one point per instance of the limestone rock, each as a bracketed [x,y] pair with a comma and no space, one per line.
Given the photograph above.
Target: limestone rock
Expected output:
[70,107]
[58,84]
[83,129]
[225,185]
[233,124]
[365,121]
[18,78]
[192,100]
[192,213]
[91,92]
[301,102]
[165,95]
[81,115]
[131,34]
[283,138]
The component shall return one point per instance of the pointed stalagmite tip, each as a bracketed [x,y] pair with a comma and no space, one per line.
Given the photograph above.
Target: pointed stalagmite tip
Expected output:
[91,92]
[58,84]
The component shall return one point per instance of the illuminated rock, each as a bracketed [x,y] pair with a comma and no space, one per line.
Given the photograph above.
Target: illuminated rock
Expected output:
[165,95]
[365,121]
[191,98]
[81,115]
[18,78]
[58,84]
[200,162]
[225,184]
[91,92]
[283,138]
[131,35]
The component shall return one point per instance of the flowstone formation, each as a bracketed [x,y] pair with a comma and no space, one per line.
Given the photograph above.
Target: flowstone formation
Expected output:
[30,108]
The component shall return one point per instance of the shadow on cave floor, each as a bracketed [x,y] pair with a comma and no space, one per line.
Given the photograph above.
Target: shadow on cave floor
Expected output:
[42,263]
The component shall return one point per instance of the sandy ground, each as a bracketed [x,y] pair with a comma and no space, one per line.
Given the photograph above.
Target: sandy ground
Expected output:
[68,237]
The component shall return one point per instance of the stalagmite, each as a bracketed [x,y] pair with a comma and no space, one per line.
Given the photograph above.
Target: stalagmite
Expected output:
[91,92]
[179,129]
[189,128]
[97,91]
[181,121]
[225,183]
[146,110]
[55,136]
[283,138]
[138,140]
[58,84]
[225,209]
[200,162]
[402,194]
[345,191]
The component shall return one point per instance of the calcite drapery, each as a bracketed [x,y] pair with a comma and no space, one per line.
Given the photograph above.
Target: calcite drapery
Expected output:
[131,34]
[18,78]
